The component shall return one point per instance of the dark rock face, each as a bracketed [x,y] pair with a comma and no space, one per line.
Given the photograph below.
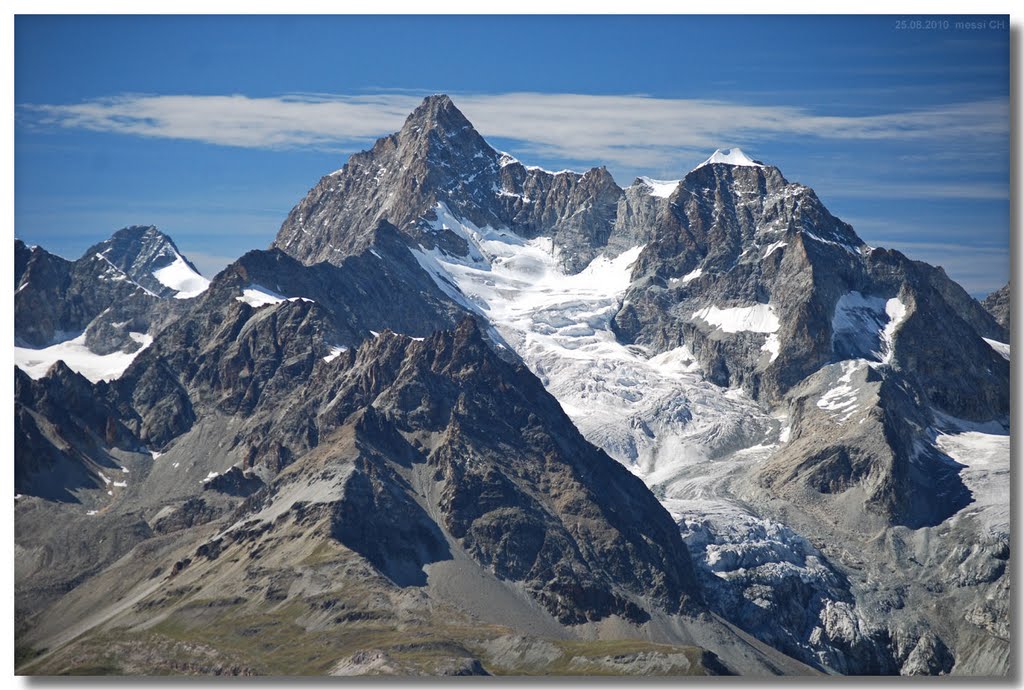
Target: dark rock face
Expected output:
[439,159]
[234,482]
[375,517]
[998,305]
[63,429]
[55,298]
[500,469]
[873,458]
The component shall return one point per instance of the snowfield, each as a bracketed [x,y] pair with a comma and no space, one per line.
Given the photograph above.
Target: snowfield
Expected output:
[652,414]
[985,450]
[78,358]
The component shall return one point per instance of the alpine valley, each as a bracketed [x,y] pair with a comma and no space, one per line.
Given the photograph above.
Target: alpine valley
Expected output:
[469,416]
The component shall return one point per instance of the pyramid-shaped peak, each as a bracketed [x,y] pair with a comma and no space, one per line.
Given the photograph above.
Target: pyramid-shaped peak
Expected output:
[437,111]
[152,260]
[733,156]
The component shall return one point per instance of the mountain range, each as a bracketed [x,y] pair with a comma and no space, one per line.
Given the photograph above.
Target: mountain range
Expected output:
[469,416]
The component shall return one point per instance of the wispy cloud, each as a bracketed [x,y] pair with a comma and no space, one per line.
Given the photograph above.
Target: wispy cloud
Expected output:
[300,120]
[630,131]
[614,127]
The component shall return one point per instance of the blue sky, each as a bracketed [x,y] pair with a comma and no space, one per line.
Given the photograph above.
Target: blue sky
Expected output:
[213,128]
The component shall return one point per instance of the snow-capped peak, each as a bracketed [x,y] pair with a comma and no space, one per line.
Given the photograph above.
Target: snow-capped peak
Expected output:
[731,157]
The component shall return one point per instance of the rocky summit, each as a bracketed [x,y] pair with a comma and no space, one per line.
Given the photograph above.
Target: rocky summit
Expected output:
[469,416]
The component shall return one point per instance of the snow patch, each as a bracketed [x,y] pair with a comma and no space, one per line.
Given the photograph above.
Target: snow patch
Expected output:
[335,351]
[759,318]
[553,172]
[771,346]
[842,245]
[178,275]
[842,400]
[660,188]
[897,313]
[692,275]
[771,248]
[259,296]
[1002,348]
